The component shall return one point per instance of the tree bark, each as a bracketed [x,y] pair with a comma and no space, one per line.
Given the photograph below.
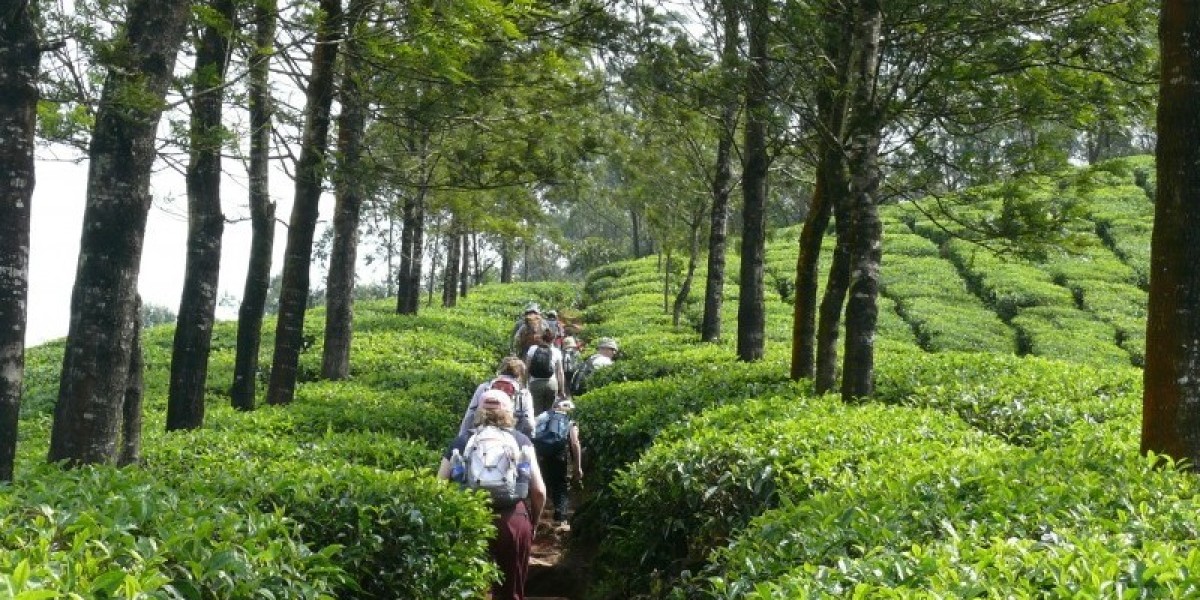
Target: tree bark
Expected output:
[262,213]
[464,272]
[131,405]
[96,358]
[828,191]
[751,316]
[352,123]
[18,117]
[862,310]
[636,234]
[714,285]
[830,315]
[1171,379]
[206,223]
[310,173]
[453,262]
[506,261]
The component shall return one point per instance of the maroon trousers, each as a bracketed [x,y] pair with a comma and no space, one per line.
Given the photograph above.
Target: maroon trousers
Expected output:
[510,549]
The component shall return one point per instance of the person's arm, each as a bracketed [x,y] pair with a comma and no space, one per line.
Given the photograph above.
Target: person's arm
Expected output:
[468,420]
[562,378]
[537,488]
[526,400]
[444,469]
[576,451]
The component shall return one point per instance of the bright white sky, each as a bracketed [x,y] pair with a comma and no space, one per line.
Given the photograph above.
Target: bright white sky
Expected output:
[57,221]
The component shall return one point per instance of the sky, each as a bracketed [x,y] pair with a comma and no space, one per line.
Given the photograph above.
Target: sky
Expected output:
[57,222]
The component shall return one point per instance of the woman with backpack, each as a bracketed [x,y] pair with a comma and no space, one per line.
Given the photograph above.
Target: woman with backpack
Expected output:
[544,363]
[502,461]
[510,379]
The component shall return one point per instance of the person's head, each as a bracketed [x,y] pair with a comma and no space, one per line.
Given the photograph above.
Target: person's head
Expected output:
[569,343]
[512,366]
[564,405]
[607,347]
[495,408]
[532,308]
[548,336]
[552,315]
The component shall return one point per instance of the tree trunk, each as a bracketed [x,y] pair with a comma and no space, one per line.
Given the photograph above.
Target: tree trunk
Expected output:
[198,302]
[830,316]
[828,192]
[18,117]
[1171,380]
[262,213]
[714,285]
[407,229]
[464,273]
[862,309]
[751,316]
[685,288]
[636,234]
[453,262]
[310,173]
[506,261]
[131,405]
[352,123]
[122,152]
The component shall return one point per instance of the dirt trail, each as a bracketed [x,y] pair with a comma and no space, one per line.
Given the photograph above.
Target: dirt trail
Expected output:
[553,575]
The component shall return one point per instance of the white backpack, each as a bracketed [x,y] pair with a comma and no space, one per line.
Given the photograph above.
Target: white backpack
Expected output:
[492,461]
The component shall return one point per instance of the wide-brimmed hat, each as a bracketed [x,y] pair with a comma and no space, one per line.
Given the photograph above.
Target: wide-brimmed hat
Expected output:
[569,343]
[608,343]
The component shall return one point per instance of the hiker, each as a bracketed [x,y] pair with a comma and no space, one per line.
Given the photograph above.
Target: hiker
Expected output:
[510,379]
[606,351]
[572,357]
[553,324]
[544,364]
[556,439]
[513,479]
[529,329]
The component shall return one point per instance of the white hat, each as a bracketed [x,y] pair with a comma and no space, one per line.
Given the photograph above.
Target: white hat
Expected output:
[564,405]
[608,343]
[496,399]
[569,343]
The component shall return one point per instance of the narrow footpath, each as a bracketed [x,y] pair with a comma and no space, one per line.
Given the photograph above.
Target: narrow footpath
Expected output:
[554,572]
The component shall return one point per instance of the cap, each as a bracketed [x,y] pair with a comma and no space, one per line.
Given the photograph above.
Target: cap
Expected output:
[533,307]
[569,343]
[496,399]
[607,343]
[553,314]
[564,405]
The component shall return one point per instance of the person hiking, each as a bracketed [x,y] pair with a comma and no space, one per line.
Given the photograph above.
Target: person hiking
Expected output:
[495,452]
[543,362]
[572,357]
[510,379]
[529,330]
[554,325]
[556,439]
[606,352]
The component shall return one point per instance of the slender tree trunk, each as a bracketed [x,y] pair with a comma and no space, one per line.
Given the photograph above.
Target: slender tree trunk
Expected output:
[506,261]
[403,296]
[862,306]
[18,116]
[310,173]
[636,234]
[829,191]
[206,223]
[830,316]
[1171,380]
[685,288]
[131,406]
[714,285]
[751,303]
[262,212]
[96,359]
[464,273]
[453,262]
[352,123]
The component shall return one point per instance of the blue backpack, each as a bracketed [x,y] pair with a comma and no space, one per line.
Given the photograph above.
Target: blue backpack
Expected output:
[551,434]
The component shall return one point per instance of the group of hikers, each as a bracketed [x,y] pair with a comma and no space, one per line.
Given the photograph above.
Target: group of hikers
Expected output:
[518,442]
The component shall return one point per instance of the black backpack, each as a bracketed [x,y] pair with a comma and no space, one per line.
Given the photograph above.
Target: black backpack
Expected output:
[541,364]
[579,379]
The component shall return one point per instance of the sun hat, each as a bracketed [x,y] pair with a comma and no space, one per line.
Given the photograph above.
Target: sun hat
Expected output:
[569,343]
[553,314]
[564,405]
[608,343]
[496,399]
[533,307]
